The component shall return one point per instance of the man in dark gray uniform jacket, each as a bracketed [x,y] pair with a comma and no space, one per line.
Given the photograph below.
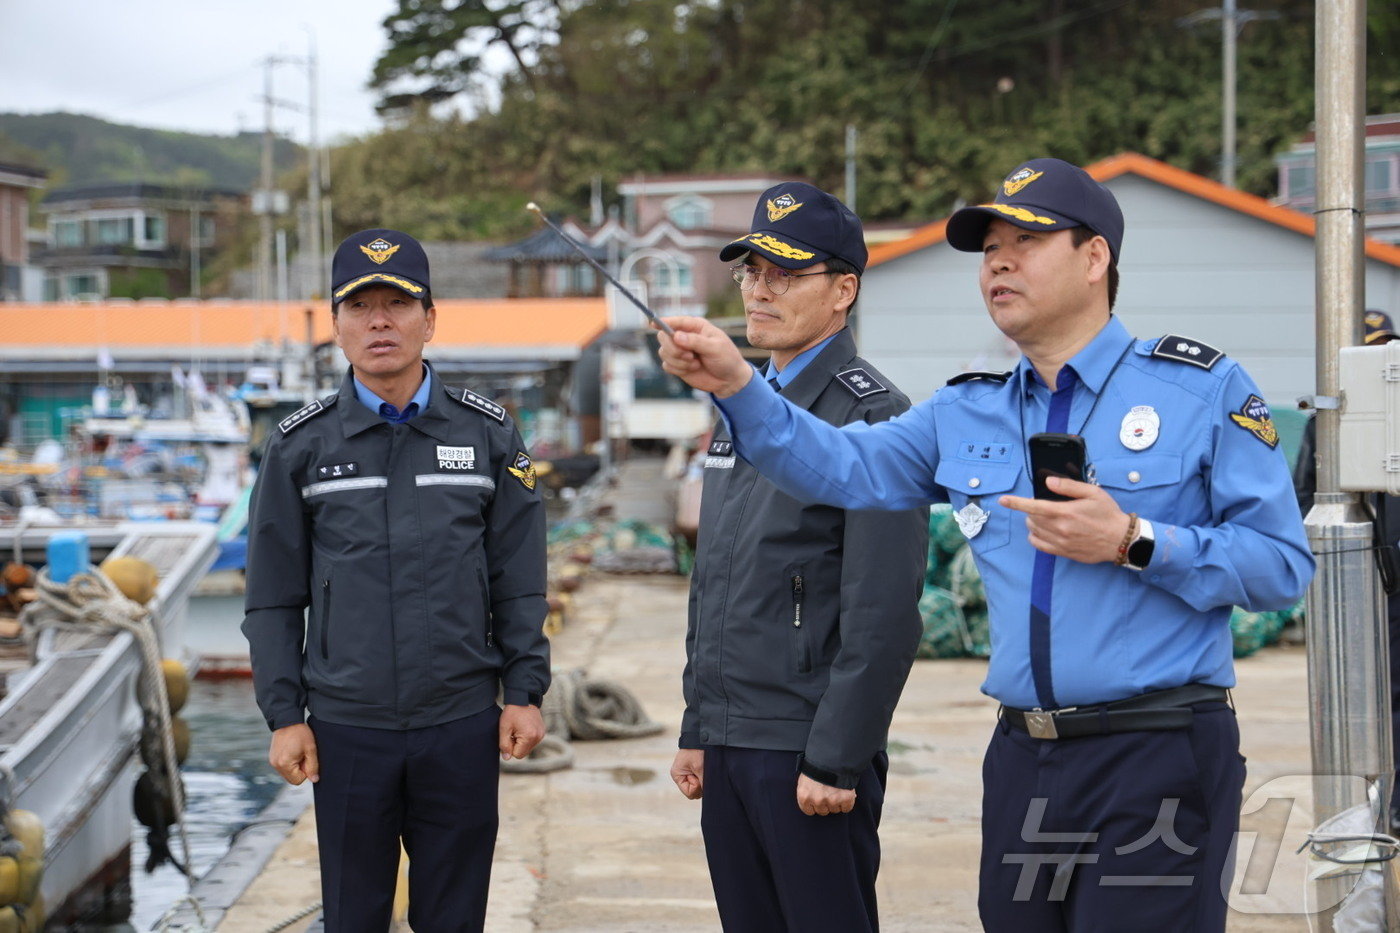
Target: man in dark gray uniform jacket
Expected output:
[803,619]
[404,513]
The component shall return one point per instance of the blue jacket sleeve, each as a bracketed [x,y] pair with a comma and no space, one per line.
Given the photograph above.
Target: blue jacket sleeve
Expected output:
[889,465]
[1253,552]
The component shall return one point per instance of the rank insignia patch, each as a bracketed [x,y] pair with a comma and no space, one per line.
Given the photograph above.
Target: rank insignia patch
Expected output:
[1253,416]
[860,383]
[721,448]
[379,250]
[1018,180]
[523,469]
[781,206]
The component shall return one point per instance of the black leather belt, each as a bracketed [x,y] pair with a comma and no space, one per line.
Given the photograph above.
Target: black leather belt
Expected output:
[1159,711]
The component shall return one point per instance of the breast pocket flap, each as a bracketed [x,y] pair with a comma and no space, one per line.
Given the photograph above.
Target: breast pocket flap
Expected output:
[1138,471]
[971,478]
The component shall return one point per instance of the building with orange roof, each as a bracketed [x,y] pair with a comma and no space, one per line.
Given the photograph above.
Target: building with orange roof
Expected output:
[1199,259]
[52,355]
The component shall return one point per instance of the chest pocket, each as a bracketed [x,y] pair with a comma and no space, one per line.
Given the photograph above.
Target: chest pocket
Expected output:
[980,485]
[1141,482]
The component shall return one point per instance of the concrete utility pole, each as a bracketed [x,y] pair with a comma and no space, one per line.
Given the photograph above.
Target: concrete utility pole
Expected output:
[314,255]
[1229,32]
[851,166]
[1348,657]
[262,204]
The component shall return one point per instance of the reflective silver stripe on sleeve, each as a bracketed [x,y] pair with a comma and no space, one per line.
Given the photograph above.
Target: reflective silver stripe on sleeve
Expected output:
[338,485]
[454,479]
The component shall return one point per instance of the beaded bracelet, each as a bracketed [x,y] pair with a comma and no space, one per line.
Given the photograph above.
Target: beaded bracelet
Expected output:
[1128,539]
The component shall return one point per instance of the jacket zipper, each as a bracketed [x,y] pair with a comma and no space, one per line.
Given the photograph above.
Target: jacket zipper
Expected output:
[325,618]
[804,660]
[486,607]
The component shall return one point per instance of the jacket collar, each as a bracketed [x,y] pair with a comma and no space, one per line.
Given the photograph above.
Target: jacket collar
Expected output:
[816,375]
[355,418]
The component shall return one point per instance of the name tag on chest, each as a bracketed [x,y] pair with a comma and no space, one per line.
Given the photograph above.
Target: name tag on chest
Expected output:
[456,458]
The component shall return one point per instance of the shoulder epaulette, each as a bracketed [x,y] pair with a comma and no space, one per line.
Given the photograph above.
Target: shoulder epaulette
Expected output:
[306,413]
[860,383]
[978,374]
[1186,350]
[484,405]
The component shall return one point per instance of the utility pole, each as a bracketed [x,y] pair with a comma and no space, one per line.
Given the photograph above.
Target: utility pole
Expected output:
[1232,20]
[1229,32]
[262,203]
[1348,656]
[851,166]
[314,255]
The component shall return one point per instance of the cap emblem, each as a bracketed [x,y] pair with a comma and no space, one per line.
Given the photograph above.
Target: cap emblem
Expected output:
[1375,319]
[781,206]
[1018,180]
[379,250]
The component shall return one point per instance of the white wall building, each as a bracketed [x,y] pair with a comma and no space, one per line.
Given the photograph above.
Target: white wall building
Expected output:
[1199,259]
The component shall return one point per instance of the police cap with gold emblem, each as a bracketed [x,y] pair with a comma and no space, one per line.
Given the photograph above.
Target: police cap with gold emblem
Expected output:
[1042,194]
[379,257]
[797,225]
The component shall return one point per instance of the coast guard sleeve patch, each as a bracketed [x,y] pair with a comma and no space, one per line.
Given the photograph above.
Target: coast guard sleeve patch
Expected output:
[483,405]
[305,414]
[1186,350]
[860,383]
[978,374]
[1254,417]
[523,469]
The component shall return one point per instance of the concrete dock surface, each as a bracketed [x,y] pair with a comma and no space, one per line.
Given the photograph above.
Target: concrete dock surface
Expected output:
[611,845]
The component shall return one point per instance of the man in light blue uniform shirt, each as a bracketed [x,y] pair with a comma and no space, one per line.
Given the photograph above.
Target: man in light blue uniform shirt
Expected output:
[1111,785]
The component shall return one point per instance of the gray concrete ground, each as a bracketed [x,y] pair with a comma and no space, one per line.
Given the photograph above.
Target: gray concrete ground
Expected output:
[610,844]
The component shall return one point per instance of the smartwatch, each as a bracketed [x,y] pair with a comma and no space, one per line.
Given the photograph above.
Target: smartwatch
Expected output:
[1140,551]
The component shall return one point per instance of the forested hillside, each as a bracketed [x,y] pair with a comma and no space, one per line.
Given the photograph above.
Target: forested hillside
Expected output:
[946,95]
[77,150]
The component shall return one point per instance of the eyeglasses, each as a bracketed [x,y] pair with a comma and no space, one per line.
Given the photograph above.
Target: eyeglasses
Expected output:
[778,280]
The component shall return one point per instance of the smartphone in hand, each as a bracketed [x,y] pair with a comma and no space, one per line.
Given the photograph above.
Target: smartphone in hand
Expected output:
[1055,455]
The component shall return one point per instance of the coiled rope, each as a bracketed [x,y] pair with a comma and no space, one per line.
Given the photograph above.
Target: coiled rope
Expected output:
[90,601]
[582,710]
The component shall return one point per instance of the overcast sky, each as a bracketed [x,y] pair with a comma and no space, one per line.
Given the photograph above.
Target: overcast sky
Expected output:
[190,65]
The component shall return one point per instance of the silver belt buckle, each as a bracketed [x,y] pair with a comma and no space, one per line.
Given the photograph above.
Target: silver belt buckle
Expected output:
[1041,725]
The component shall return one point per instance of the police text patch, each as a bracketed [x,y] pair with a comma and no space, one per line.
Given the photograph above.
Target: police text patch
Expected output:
[860,382]
[456,458]
[337,470]
[523,469]
[1254,417]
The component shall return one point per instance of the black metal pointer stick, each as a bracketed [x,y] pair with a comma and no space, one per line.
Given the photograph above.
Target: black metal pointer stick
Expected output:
[650,315]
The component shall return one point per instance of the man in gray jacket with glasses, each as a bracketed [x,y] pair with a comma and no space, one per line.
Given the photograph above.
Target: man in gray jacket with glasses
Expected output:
[803,619]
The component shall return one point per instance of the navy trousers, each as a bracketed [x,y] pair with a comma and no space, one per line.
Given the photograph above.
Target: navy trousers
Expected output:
[1126,832]
[773,867]
[434,789]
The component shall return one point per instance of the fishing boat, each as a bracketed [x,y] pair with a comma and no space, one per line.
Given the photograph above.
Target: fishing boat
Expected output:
[70,719]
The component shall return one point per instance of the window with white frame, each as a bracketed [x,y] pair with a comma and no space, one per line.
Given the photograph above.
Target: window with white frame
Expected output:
[689,211]
[67,233]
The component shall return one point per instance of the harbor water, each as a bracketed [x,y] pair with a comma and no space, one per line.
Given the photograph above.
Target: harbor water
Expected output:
[227,778]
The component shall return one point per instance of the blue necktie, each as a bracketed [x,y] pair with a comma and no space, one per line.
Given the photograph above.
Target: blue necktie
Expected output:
[1043,576]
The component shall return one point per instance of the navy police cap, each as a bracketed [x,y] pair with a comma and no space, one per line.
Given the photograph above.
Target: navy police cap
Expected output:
[1042,194]
[796,225]
[379,257]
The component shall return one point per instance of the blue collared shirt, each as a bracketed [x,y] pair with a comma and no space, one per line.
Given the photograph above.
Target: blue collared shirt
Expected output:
[388,412]
[797,364]
[1217,492]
